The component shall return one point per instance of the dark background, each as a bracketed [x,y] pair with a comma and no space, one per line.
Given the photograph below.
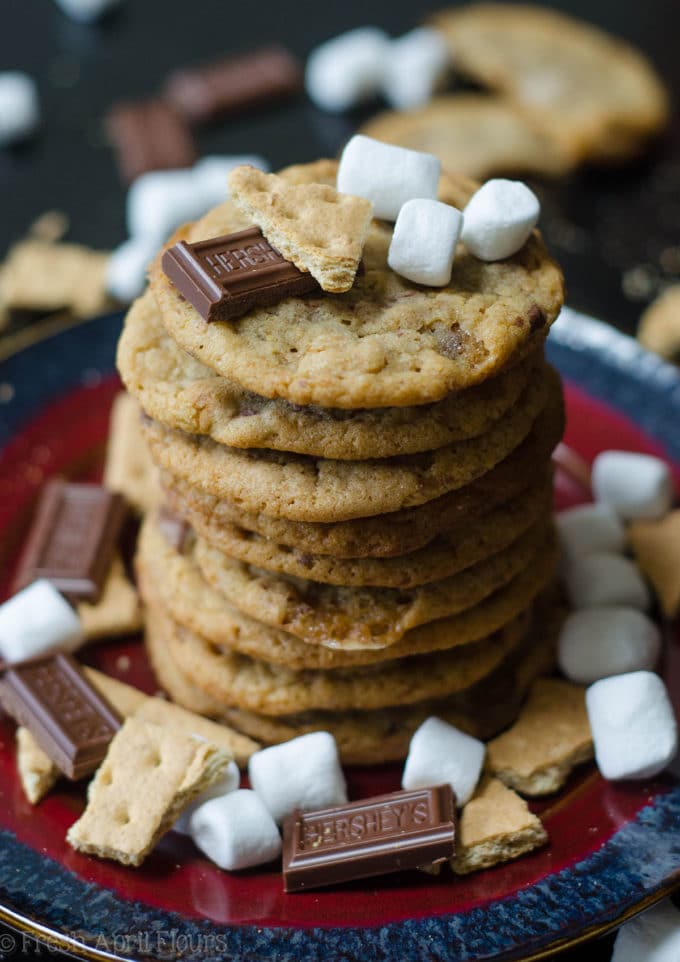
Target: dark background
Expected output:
[616,232]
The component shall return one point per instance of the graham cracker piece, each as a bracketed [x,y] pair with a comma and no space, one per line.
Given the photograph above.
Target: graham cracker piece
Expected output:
[656,545]
[37,772]
[129,469]
[659,327]
[320,230]
[125,698]
[147,779]
[118,611]
[131,701]
[175,718]
[43,276]
[495,826]
[551,736]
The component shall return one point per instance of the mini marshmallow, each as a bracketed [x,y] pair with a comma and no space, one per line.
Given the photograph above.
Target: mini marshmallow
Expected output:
[388,176]
[36,621]
[653,936]
[127,266]
[634,728]
[634,485]
[499,218]
[86,11]
[598,642]
[606,579]
[229,782]
[424,241]
[415,67]
[303,773]
[348,69]
[235,831]
[19,106]
[589,529]
[440,753]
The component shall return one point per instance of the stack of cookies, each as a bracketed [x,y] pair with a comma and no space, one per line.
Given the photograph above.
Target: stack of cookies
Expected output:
[357,523]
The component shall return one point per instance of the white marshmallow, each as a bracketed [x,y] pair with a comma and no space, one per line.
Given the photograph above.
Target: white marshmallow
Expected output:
[606,579]
[387,175]
[19,106]
[348,69]
[589,529]
[440,753]
[160,200]
[424,241]
[235,831]
[127,266]
[415,67]
[86,11]
[653,936]
[499,218]
[598,642]
[37,620]
[633,725]
[635,485]
[303,773]
[229,782]
[210,174]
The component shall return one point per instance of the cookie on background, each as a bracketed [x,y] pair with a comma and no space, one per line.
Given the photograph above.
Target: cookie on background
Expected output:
[597,97]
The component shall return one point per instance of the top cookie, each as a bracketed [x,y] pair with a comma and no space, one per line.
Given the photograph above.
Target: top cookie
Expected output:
[597,97]
[387,342]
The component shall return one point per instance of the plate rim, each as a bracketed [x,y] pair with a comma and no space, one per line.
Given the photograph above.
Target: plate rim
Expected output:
[573,330]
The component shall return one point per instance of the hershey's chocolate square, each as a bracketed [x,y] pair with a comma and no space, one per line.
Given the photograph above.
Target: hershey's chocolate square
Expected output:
[74,533]
[69,719]
[225,277]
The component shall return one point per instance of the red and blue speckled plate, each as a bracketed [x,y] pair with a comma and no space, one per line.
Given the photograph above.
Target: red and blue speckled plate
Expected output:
[614,848]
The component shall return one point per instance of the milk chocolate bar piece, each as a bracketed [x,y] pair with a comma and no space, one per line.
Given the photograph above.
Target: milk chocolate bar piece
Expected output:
[149,135]
[225,277]
[73,538]
[388,833]
[69,719]
[227,86]
[174,529]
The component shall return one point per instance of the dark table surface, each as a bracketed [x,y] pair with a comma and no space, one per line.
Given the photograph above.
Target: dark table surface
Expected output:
[616,232]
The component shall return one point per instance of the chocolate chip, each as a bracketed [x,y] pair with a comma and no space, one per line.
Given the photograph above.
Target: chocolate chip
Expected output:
[536,318]
[453,343]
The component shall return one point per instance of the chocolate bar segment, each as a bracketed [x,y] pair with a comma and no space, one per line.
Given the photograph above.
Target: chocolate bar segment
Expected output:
[388,833]
[224,277]
[175,530]
[69,719]
[227,86]
[72,540]
[149,135]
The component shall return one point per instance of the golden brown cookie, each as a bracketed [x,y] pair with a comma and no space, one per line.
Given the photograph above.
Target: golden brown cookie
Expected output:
[349,618]
[371,737]
[656,545]
[444,556]
[182,393]
[381,536]
[174,579]
[238,681]
[387,342]
[595,95]
[299,488]
[476,134]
